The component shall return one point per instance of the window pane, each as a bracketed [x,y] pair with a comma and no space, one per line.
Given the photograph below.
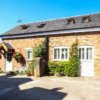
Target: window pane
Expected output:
[64,53]
[56,53]
[89,53]
[29,54]
[81,53]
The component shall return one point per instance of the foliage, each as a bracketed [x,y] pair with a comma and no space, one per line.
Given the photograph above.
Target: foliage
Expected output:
[69,68]
[11,73]
[52,67]
[64,66]
[40,50]
[58,68]
[17,56]
[74,60]
[30,70]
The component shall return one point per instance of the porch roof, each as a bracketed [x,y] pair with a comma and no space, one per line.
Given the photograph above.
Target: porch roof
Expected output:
[6,46]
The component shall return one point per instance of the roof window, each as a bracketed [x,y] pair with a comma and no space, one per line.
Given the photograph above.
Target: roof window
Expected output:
[41,25]
[71,21]
[24,26]
[86,19]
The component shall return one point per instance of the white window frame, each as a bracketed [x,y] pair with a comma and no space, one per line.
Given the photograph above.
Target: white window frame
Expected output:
[85,47]
[28,49]
[61,47]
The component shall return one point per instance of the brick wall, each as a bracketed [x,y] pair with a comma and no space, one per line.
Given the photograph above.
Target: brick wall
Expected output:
[87,39]
[20,45]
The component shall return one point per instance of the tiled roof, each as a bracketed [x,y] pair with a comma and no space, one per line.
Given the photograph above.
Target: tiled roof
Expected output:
[79,22]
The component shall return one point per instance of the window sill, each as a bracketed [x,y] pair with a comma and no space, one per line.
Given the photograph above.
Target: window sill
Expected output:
[29,60]
[60,59]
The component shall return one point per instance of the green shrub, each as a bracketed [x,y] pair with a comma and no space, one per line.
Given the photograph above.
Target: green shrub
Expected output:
[16,72]
[74,60]
[39,51]
[58,68]
[63,65]
[52,67]
[30,70]
[11,73]
[17,56]
[69,68]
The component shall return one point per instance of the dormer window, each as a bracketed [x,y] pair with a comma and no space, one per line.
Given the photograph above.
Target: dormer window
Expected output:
[86,19]
[71,21]
[41,25]
[24,26]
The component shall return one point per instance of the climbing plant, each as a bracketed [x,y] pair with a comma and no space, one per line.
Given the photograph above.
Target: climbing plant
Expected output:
[74,60]
[40,50]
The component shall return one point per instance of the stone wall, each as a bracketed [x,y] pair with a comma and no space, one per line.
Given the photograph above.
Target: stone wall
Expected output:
[20,45]
[84,39]
[87,39]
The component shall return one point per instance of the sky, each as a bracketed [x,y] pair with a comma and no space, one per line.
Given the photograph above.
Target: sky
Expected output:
[39,10]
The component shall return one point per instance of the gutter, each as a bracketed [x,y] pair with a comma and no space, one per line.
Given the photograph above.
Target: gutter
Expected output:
[57,32]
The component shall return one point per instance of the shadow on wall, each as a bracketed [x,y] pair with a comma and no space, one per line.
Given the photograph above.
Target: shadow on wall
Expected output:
[22,60]
[35,93]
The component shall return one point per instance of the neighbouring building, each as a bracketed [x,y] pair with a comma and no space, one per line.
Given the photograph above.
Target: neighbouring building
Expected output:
[61,34]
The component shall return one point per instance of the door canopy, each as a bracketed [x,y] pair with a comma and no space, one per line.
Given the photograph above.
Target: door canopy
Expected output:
[5,48]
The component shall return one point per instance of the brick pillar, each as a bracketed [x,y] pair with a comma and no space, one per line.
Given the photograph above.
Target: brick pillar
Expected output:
[39,67]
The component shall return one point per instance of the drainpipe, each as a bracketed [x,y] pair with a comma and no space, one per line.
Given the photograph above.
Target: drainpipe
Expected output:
[47,52]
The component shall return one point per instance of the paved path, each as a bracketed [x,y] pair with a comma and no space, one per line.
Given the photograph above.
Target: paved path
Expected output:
[49,88]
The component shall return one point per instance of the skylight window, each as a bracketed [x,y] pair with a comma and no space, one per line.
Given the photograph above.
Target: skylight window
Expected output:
[24,26]
[41,25]
[71,21]
[86,19]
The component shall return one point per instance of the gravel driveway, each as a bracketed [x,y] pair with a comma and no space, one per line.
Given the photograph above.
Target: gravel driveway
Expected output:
[49,88]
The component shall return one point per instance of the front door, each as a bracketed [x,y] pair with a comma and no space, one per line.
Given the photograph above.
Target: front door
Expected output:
[9,61]
[86,61]
[8,66]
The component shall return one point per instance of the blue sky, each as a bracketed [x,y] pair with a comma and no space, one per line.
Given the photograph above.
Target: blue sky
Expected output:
[38,10]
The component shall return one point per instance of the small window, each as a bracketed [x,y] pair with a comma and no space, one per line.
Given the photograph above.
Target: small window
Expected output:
[71,21]
[29,54]
[41,25]
[24,26]
[85,53]
[86,19]
[60,53]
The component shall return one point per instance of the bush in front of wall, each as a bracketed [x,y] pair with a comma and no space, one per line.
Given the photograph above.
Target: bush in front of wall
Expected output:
[64,67]
[30,70]
[40,50]
[52,67]
[74,60]
[11,73]
[58,68]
